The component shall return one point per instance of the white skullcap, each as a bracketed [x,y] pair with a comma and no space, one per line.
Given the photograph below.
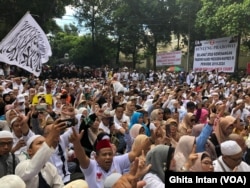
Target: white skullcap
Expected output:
[13,120]
[12,181]
[219,102]
[77,184]
[111,180]
[31,139]
[214,93]
[20,98]
[6,134]
[239,101]
[81,110]
[230,147]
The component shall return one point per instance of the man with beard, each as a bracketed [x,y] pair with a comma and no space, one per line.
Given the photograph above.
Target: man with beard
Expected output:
[8,161]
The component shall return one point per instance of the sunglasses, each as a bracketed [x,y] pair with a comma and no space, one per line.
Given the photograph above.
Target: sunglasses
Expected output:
[192,120]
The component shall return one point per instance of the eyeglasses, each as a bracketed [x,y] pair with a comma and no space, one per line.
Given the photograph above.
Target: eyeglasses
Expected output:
[192,120]
[173,124]
[2,144]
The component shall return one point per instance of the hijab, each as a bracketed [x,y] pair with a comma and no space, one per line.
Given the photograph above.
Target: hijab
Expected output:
[135,119]
[183,149]
[138,141]
[159,157]
[135,130]
[186,123]
[220,129]
[203,116]
[197,166]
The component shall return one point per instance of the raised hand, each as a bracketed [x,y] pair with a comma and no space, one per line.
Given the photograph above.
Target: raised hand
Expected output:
[193,156]
[54,134]
[142,167]
[75,137]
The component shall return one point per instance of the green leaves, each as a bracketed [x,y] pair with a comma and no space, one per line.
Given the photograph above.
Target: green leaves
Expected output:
[228,18]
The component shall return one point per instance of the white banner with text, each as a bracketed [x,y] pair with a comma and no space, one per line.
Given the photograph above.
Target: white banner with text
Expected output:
[168,58]
[219,54]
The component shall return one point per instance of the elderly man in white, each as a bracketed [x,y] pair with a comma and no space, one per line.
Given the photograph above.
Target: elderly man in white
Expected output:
[37,171]
[231,158]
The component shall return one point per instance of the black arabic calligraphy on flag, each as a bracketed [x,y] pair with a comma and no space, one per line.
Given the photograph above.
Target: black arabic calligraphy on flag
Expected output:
[26,46]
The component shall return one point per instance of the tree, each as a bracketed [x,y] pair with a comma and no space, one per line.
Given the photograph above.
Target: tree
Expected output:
[157,18]
[71,29]
[225,18]
[127,31]
[11,11]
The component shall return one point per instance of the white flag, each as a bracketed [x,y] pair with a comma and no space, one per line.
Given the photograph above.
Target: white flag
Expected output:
[26,46]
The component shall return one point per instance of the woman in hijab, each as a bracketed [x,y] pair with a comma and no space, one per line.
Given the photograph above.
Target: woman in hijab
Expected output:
[222,130]
[139,140]
[161,158]
[202,162]
[156,119]
[137,118]
[202,115]
[132,134]
[172,131]
[186,143]
[183,150]
[186,125]
[9,115]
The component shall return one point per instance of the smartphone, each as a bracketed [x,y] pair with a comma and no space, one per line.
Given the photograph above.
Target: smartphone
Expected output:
[41,107]
[69,122]
[168,132]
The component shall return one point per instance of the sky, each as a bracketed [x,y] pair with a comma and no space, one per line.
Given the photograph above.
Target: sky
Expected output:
[68,18]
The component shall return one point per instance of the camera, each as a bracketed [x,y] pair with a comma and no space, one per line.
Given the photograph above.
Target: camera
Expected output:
[69,122]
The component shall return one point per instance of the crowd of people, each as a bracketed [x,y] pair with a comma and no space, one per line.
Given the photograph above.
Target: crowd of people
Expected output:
[121,128]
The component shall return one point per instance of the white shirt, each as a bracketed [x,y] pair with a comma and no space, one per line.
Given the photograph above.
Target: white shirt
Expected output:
[241,114]
[56,157]
[104,128]
[23,150]
[218,167]
[153,181]
[118,122]
[95,175]
[28,169]
[118,86]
